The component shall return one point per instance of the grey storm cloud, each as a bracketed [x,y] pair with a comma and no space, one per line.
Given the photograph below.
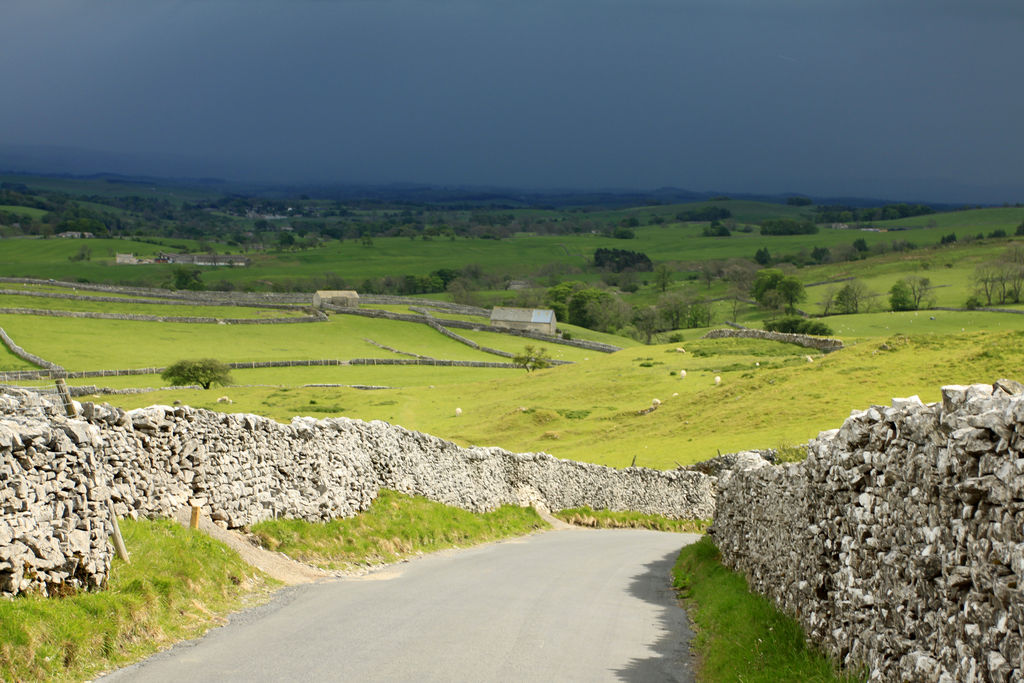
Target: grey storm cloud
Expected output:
[918,99]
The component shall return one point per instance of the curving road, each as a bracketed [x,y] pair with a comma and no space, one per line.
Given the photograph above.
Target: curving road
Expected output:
[568,605]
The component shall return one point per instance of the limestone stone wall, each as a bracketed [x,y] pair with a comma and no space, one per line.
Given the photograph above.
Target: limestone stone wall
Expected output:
[825,344]
[899,542]
[244,468]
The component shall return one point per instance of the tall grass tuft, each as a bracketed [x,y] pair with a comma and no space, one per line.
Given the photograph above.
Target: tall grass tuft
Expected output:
[606,519]
[741,636]
[395,526]
[178,584]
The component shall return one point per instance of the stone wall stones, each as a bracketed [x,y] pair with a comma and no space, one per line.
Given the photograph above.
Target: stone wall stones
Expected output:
[825,344]
[899,542]
[244,468]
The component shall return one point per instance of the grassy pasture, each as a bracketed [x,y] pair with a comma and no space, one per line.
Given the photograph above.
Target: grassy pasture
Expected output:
[157,307]
[770,396]
[89,344]
[969,222]
[29,211]
[398,255]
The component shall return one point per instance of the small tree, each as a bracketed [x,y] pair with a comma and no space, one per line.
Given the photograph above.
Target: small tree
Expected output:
[532,358]
[202,371]
[901,297]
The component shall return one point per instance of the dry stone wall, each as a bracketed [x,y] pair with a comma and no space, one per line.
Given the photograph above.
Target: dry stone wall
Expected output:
[899,542]
[244,468]
[825,344]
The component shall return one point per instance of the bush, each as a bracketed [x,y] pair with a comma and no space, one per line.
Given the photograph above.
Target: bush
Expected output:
[794,324]
[973,302]
[202,371]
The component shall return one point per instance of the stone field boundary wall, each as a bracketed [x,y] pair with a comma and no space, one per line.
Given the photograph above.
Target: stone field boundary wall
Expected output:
[462,324]
[899,542]
[825,344]
[153,300]
[26,356]
[57,475]
[142,317]
[22,375]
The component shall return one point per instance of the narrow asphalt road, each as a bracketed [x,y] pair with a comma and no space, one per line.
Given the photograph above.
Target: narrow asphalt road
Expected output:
[568,605]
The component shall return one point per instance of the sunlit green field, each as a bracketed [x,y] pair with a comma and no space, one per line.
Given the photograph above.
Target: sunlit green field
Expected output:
[89,344]
[769,395]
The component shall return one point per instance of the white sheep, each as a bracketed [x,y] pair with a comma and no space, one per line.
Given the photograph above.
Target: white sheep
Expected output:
[809,359]
[680,349]
[458,412]
[682,373]
[757,364]
[718,380]
[224,399]
[674,394]
[655,402]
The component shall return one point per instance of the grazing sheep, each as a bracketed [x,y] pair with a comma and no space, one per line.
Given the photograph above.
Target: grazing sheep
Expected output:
[655,402]
[757,364]
[680,349]
[675,394]
[809,359]
[718,380]
[224,399]
[682,373]
[458,412]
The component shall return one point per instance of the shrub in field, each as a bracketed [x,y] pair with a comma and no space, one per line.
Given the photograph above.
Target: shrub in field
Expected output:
[794,324]
[202,371]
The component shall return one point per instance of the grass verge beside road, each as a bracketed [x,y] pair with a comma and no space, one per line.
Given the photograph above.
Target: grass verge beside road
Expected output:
[395,526]
[741,636]
[178,584]
[606,519]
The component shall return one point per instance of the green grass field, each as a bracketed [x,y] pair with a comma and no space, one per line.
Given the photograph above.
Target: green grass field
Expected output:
[30,212]
[769,396]
[156,308]
[89,344]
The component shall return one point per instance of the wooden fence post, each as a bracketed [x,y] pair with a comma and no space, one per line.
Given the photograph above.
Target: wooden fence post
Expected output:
[65,397]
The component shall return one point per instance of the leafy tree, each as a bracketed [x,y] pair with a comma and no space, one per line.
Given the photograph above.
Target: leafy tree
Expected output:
[901,297]
[1020,230]
[203,371]
[860,244]
[532,358]
[662,276]
[715,229]
[792,292]
[187,278]
[672,308]
[772,288]
[794,324]
[645,319]
[580,312]
[799,201]
[852,296]
[788,226]
[762,256]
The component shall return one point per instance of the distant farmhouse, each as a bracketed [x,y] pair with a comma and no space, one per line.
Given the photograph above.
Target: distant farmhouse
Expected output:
[204,259]
[336,297]
[76,235]
[540,320]
[191,259]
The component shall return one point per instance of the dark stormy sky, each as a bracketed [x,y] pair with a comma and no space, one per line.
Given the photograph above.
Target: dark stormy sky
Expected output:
[915,99]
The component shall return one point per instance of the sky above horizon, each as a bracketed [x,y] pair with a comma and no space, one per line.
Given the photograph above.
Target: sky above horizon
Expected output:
[900,98]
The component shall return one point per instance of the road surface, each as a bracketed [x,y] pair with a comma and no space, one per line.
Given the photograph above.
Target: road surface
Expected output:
[567,605]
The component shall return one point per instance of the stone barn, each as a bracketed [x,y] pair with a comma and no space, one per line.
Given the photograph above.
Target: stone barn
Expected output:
[336,297]
[540,320]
